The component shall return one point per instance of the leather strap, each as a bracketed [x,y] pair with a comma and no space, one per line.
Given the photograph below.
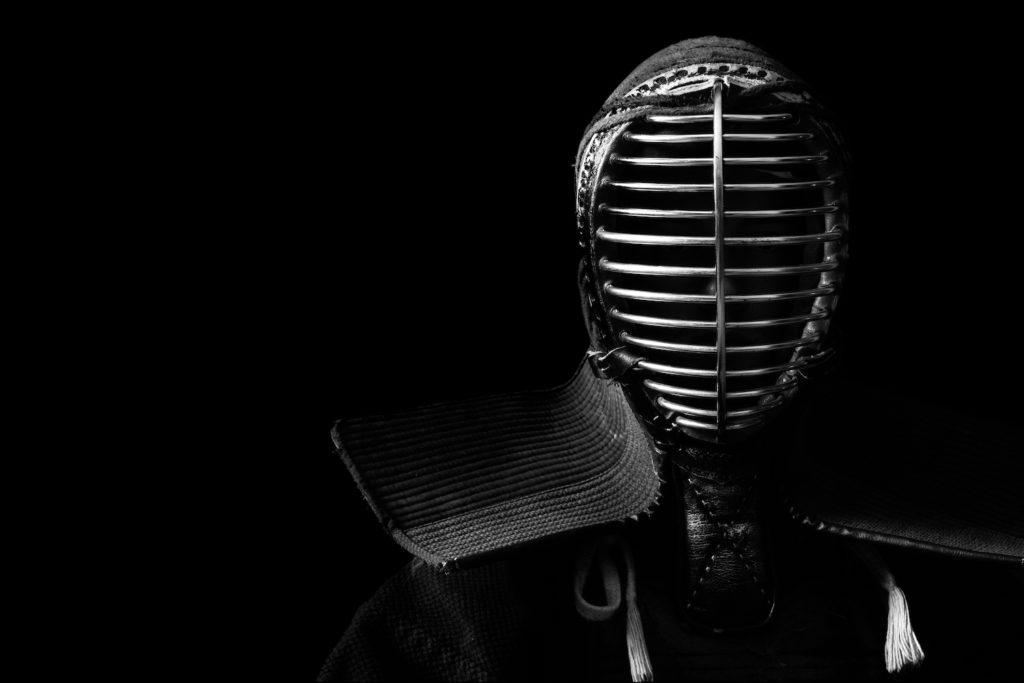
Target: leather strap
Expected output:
[614,364]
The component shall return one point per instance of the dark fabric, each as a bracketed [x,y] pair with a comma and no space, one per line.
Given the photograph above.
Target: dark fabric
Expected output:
[881,467]
[426,625]
[515,620]
[455,481]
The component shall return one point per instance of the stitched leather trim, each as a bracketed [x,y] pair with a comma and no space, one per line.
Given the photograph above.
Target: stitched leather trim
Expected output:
[722,538]
[893,539]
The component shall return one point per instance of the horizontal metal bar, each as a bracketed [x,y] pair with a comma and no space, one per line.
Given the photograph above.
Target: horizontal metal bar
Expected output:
[637,212]
[821,267]
[680,240]
[641,295]
[662,322]
[783,213]
[676,370]
[697,118]
[830,236]
[761,187]
[771,322]
[710,324]
[735,161]
[687,410]
[789,344]
[698,393]
[781,296]
[752,372]
[645,269]
[664,139]
[660,187]
[694,137]
[666,346]
[701,412]
[655,240]
[679,391]
[672,271]
[659,161]
[655,213]
[700,348]
[707,187]
[683,422]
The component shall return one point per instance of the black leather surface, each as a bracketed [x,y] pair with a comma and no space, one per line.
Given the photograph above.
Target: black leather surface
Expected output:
[728,581]
[612,364]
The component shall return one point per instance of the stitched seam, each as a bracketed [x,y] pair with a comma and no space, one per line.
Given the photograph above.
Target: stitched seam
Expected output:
[723,539]
[709,557]
[883,537]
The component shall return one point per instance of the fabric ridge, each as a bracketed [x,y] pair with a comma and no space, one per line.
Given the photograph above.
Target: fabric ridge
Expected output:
[461,479]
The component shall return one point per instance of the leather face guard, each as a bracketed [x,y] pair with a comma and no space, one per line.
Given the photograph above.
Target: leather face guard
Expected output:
[711,200]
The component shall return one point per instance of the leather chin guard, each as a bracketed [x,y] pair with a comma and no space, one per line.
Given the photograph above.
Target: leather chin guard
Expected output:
[722,545]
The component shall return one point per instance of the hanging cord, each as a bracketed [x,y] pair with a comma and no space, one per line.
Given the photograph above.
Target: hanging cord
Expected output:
[636,645]
[901,646]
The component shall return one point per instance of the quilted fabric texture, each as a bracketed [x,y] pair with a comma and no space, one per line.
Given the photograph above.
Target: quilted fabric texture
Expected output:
[456,481]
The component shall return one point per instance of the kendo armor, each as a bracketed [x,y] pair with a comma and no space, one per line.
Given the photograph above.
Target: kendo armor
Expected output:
[712,207]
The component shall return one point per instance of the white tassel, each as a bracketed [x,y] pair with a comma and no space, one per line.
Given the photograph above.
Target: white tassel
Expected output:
[636,645]
[639,660]
[901,646]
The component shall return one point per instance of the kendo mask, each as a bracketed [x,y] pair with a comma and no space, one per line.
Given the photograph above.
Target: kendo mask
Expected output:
[712,205]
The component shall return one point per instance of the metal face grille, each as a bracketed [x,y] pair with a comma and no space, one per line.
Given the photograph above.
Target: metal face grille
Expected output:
[716,248]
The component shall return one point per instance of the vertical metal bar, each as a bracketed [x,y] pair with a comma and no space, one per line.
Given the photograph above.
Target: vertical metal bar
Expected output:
[717,163]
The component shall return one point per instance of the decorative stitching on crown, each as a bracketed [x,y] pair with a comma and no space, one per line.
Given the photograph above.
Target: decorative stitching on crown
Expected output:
[676,81]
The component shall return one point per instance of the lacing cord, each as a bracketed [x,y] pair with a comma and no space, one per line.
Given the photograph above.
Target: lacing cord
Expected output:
[636,645]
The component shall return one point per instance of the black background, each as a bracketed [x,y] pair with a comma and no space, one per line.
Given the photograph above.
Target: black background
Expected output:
[427,247]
